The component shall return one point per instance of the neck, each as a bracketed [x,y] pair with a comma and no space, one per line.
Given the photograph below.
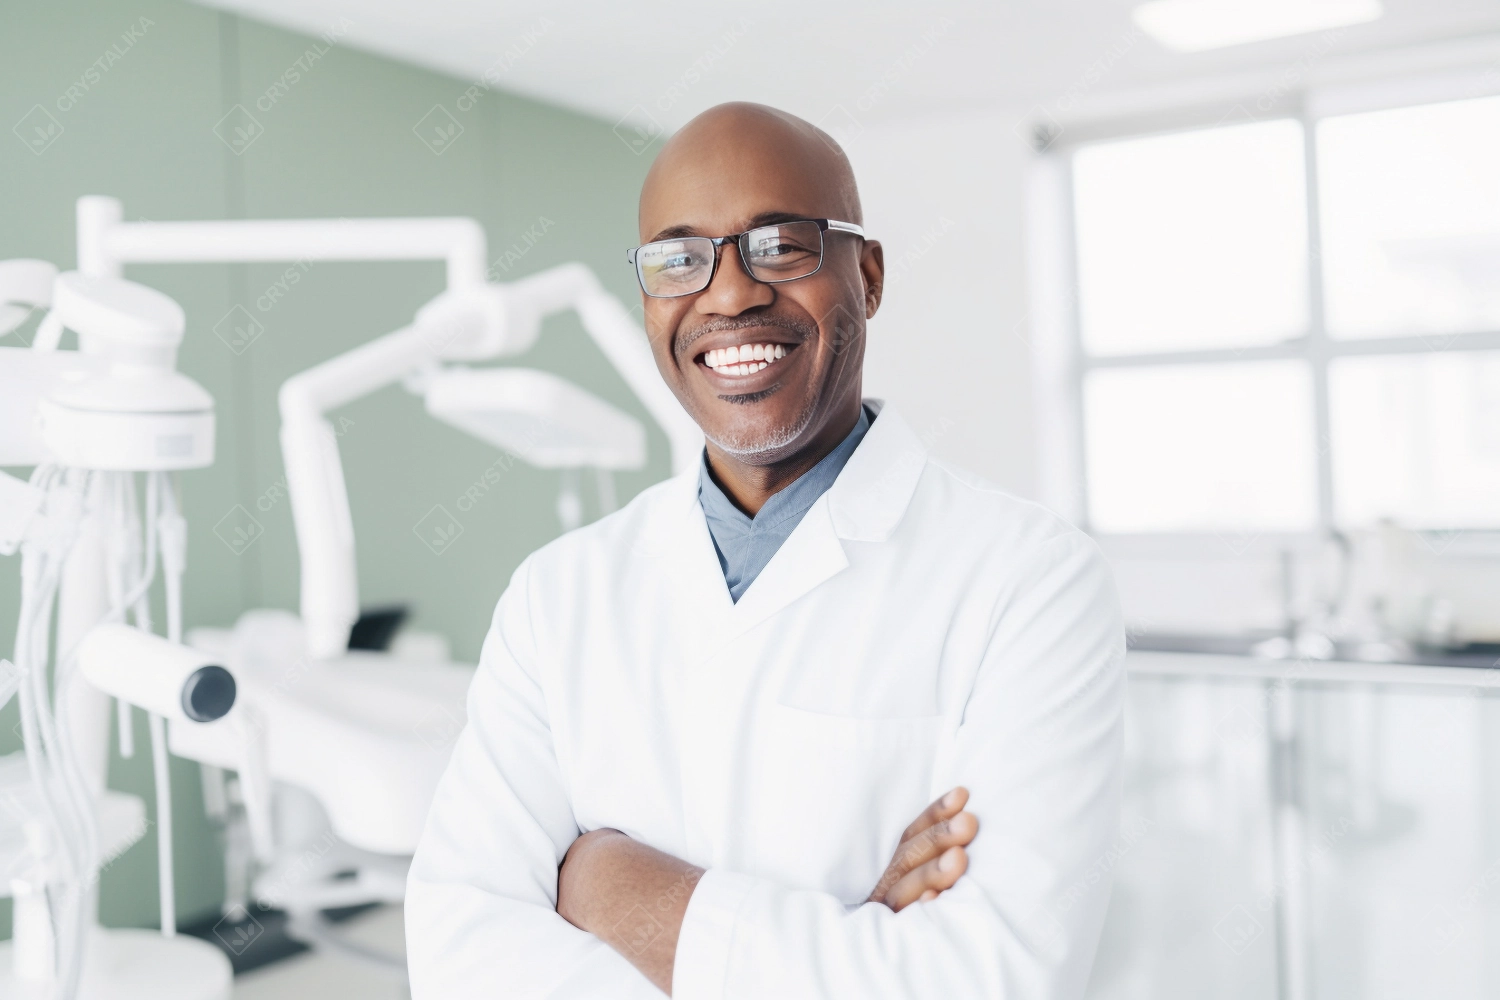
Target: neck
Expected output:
[750,486]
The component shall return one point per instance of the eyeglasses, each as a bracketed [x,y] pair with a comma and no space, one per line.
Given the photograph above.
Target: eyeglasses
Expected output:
[667,269]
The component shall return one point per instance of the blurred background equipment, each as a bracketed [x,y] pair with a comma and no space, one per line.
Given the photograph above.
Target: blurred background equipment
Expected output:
[359,743]
[90,553]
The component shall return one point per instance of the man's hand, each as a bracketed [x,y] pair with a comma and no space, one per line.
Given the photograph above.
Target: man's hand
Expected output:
[931,855]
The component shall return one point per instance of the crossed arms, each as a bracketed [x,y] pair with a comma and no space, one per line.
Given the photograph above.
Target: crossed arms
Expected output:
[507,899]
[633,897]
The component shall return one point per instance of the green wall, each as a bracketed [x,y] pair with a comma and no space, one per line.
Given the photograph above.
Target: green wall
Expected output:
[337,140]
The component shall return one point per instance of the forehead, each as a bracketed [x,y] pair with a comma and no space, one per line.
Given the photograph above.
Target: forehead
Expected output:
[717,183]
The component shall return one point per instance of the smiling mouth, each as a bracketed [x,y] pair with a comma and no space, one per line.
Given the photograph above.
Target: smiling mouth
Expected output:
[746,359]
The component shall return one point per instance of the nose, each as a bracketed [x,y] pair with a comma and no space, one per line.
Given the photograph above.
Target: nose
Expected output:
[732,290]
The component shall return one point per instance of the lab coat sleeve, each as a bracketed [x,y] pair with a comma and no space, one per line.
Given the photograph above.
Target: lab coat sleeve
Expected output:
[481,918]
[1039,747]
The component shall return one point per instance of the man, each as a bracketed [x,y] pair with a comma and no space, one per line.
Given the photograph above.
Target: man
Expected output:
[702,726]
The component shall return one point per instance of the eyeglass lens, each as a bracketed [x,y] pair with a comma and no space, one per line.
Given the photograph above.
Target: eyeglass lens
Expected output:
[770,253]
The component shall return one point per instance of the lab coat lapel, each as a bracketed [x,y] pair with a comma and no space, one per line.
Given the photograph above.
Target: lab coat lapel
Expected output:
[677,542]
[810,555]
[865,503]
[871,495]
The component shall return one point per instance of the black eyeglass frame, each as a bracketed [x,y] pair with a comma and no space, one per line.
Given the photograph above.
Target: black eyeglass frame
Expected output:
[824,225]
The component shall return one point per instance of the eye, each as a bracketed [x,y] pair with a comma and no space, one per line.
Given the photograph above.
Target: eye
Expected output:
[779,248]
[676,255]
[784,247]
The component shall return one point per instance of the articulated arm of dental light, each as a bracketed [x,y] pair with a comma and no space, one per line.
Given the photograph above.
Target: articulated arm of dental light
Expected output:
[463,324]
[315,477]
[471,321]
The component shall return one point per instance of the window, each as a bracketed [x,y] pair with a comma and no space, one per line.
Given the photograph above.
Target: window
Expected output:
[1416,438]
[1411,220]
[1290,324]
[1220,448]
[1193,240]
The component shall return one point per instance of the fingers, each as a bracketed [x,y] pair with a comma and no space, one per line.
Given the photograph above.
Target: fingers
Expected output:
[941,826]
[942,809]
[928,880]
[933,841]
[927,846]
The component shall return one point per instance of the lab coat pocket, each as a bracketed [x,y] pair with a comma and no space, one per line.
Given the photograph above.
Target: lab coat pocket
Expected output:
[835,792]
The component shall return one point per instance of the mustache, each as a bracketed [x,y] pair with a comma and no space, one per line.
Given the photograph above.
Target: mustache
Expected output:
[802,328]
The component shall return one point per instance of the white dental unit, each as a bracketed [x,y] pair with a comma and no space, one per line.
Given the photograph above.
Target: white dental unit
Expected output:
[348,744]
[90,421]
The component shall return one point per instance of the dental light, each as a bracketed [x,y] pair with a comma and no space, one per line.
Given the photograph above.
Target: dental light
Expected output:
[541,419]
[140,413]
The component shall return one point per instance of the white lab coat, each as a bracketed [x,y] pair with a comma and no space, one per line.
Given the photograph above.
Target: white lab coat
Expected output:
[917,631]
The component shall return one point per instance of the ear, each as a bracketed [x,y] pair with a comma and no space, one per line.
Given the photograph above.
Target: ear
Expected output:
[872,267]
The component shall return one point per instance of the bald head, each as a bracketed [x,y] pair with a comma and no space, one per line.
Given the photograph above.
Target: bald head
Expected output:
[739,139]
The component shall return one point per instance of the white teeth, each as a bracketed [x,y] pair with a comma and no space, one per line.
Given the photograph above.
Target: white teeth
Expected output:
[744,359]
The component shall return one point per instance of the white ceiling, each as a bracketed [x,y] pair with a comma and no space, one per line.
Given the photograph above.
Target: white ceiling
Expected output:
[878,61]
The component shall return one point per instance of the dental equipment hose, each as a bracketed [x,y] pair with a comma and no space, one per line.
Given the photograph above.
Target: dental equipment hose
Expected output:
[163,527]
[173,538]
[65,798]
[127,560]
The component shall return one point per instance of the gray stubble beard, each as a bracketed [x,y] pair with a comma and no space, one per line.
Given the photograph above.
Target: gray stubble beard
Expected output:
[748,450]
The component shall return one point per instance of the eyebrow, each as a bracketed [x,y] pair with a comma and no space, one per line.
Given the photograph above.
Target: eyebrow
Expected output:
[763,219]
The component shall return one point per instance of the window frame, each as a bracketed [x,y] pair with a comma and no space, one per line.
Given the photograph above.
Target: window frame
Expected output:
[1063,365]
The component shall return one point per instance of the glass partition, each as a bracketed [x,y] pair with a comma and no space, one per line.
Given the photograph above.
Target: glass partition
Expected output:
[1306,841]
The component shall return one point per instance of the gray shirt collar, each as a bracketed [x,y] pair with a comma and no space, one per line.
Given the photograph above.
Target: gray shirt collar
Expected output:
[745,544]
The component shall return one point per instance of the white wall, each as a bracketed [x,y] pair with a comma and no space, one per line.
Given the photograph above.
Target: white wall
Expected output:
[944,197]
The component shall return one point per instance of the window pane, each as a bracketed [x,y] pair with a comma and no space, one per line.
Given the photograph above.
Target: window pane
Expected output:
[1219,448]
[1416,438]
[1410,204]
[1192,240]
